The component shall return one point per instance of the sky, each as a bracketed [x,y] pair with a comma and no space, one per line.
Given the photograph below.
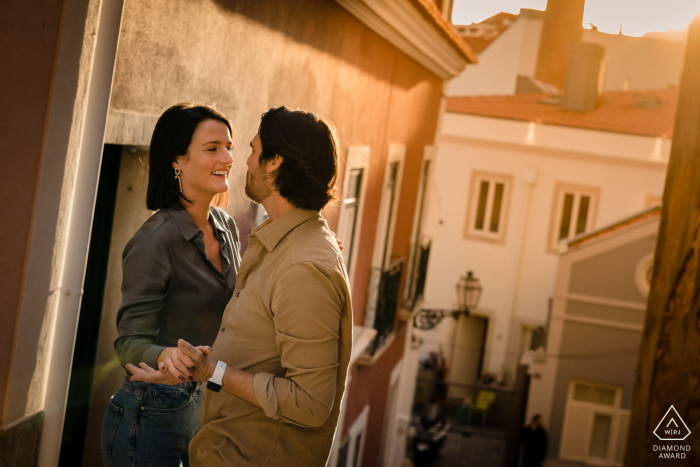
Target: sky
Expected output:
[637,17]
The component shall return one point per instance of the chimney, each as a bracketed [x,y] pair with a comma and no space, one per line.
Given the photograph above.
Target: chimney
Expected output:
[584,76]
[562,25]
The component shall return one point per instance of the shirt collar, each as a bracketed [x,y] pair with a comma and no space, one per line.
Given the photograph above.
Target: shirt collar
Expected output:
[186,224]
[270,233]
[218,225]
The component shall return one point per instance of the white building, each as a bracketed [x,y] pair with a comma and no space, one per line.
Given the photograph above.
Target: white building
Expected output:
[632,63]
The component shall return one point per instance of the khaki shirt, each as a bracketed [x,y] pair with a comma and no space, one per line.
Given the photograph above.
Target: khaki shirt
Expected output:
[289,323]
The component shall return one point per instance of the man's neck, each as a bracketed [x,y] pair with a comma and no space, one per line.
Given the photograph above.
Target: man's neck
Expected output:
[276,206]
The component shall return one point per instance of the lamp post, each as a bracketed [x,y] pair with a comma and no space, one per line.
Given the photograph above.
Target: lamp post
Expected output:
[468,295]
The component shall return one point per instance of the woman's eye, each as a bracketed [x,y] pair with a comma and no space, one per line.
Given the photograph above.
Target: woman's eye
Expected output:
[211,149]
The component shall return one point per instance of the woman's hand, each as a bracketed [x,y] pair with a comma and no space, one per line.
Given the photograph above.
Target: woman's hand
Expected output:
[149,375]
[172,369]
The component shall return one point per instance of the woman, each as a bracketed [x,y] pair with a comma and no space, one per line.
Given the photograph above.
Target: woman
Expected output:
[179,274]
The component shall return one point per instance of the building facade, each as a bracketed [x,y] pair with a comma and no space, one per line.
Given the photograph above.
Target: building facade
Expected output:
[508,61]
[509,186]
[583,380]
[116,67]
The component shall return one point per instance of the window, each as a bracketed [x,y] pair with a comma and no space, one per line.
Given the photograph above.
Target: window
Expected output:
[595,428]
[420,246]
[573,213]
[487,212]
[350,454]
[350,216]
[351,205]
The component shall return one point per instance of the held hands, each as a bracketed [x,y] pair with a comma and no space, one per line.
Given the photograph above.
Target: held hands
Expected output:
[177,365]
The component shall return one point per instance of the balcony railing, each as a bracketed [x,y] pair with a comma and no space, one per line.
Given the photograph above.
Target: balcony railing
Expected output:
[387,302]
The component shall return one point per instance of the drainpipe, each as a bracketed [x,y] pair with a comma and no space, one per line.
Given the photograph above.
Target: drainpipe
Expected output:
[79,222]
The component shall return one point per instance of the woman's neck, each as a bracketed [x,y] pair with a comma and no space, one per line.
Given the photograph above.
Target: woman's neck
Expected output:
[198,209]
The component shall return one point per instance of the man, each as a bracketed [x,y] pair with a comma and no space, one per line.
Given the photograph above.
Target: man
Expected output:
[281,356]
[535,443]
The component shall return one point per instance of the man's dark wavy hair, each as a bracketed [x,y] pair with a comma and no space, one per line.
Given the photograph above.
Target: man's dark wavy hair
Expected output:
[309,147]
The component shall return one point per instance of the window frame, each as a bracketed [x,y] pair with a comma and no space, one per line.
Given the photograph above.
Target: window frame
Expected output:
[560,190]
[357,158]
[470,232]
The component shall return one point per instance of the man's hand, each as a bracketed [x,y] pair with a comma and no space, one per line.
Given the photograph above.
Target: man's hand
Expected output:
[170,373]
[194,358]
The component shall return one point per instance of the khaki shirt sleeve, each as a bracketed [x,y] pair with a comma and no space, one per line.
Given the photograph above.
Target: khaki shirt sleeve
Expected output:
[307,306]
[146,270]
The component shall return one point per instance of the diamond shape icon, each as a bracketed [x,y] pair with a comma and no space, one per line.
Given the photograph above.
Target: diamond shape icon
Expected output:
[672,427]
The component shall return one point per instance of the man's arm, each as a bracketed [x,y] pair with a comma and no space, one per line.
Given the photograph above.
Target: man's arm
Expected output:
[307,305]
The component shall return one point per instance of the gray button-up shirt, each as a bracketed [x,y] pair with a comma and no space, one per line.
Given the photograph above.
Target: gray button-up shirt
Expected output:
[170,289]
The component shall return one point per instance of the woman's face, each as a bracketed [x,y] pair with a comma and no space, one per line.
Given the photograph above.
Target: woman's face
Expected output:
[205,167]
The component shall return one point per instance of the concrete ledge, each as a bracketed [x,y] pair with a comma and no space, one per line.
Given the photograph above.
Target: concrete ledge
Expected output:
[19,442]
[129,128]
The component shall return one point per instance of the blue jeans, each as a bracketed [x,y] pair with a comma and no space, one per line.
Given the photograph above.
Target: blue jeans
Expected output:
[150,425]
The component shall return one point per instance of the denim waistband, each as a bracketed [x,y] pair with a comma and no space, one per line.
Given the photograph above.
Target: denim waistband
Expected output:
[141,386]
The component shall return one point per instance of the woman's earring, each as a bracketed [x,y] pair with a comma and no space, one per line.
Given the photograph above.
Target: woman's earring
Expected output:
[177,177]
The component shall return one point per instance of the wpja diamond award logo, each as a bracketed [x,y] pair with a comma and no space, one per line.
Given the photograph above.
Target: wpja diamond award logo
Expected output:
[672,428]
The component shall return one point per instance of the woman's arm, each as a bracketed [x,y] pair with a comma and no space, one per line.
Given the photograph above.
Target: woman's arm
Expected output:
[146,270]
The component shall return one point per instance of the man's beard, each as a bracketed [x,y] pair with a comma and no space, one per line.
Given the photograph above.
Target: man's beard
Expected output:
[256,187]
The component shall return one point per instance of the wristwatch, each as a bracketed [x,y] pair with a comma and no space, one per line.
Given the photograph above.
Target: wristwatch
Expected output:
[216,380]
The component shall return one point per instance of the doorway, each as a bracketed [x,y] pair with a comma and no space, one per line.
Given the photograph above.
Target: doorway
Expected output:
[97,374]
[82,369]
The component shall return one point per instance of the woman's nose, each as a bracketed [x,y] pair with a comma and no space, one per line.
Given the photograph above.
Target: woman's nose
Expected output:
[228,157]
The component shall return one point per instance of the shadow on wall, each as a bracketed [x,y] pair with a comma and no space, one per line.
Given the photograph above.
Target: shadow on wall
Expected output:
[317,23]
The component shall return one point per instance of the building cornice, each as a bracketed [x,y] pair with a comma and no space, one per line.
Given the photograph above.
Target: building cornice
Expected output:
[403,25]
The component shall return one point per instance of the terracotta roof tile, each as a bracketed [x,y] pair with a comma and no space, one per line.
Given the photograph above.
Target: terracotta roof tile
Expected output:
[616,111]
[433,14]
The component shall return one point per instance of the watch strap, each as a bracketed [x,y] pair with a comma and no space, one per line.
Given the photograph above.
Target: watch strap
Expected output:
[216,381]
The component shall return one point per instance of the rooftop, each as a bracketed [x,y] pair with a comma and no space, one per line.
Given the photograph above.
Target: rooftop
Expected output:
[432,13]
[644,113]
[480,35]
[584,239]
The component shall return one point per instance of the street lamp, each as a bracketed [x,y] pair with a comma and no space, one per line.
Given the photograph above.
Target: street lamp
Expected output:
[468,295]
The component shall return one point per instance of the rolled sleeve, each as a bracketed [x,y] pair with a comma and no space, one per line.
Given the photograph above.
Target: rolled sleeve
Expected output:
[307,308]
[146,270]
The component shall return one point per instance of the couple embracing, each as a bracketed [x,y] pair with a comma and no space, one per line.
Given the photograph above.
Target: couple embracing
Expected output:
[232,362]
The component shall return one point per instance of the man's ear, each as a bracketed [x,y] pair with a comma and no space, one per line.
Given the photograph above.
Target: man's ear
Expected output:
[274,164]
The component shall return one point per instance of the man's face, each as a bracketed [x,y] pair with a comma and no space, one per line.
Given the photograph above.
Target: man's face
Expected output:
[257,182]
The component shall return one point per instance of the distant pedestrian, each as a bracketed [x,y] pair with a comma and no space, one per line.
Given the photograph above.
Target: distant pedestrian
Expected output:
[534,439]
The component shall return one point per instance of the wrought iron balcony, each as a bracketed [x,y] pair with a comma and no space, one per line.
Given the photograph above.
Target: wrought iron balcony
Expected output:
[387,301]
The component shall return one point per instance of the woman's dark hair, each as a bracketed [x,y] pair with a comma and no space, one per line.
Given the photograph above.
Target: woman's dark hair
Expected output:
[171,138]
[309,147]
